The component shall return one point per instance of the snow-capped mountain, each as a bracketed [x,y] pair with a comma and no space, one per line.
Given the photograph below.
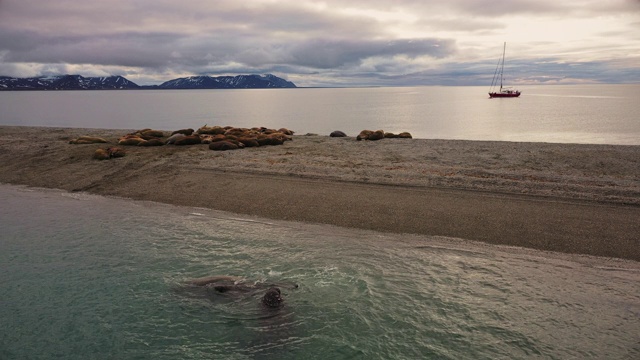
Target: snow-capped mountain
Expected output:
[77,82]
[66,82]
[228,82]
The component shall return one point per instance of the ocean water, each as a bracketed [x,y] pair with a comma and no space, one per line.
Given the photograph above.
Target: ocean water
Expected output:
[595,114]
[90,277]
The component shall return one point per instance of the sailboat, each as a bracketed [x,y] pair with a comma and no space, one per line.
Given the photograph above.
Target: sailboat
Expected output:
[504,92]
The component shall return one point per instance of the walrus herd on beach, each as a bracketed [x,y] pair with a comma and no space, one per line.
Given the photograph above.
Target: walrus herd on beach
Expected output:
[380,134]
[373,135]
[230,138]
[219,138]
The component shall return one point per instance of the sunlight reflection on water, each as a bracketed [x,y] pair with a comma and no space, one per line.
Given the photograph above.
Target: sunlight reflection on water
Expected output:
[598,114]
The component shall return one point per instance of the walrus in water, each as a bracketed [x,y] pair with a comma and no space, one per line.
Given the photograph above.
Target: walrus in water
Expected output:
[272,298]
[215,279]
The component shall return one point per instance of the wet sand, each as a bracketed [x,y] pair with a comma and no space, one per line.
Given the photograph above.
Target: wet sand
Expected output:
[580,199]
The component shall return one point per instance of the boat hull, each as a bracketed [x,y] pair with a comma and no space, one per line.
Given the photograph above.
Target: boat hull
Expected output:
[504,95]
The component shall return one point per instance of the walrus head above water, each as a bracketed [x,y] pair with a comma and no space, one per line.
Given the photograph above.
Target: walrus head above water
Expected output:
[272,298]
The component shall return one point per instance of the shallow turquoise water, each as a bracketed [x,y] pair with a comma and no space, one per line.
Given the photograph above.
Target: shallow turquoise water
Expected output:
[88,277]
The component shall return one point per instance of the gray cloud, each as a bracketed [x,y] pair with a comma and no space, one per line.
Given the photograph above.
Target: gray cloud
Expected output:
[371,42]
[124,49]
[324,54]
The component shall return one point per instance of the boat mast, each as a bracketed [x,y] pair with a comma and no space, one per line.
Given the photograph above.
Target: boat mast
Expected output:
[504,49]
[508,92]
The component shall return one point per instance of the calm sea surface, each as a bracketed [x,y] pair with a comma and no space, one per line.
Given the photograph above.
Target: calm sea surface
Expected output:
[89,277]
[597,114]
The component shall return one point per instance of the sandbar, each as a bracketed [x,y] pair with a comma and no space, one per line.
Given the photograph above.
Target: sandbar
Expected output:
[569,198]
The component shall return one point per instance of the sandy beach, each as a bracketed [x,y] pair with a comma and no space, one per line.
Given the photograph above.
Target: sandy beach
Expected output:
[580,199]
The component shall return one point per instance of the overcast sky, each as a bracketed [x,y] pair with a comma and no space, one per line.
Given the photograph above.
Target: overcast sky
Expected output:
[325,43]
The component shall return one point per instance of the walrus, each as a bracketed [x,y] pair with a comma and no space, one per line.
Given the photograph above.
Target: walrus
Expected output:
[108,153]
[271,139]
[376,135]
[211,130]
[390,135]
[115,152]
[101,154]
[147,134]
[263,140]
[337,133]
[152,142]
[286,131]
[223,146]
[88,140]
[213,279]
[130,141]
[226,283]
[272,298]
[206,139]
[173,138]
[188,140]
[364,135]
[249,142]
[223,284]
[183,131]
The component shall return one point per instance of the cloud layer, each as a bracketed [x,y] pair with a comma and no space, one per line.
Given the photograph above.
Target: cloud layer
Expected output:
[328,43]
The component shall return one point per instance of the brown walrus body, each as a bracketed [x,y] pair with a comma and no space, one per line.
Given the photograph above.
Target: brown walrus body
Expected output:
[364,135]
[130,139]
[88,140]
[152,142]
[233,285]
[101,154]
[183,131]
[223,146]
[108,153]
[173,138]
[216,278]
[188,140]
[212,130]
[249,142]
[149,133]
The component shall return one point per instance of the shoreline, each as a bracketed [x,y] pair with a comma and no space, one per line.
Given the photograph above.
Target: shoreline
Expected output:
[570,198]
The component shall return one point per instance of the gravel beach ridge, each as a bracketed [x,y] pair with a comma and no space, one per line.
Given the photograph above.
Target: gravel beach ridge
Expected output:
[572,198]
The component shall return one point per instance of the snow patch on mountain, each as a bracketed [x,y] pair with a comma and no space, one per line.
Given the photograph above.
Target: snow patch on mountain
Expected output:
[78,82]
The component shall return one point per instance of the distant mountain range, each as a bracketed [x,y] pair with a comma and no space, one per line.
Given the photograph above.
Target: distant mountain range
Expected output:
[77,82]
[66,82]
[228,82]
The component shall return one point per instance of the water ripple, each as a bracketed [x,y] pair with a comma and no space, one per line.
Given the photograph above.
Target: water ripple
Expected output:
[108,281]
